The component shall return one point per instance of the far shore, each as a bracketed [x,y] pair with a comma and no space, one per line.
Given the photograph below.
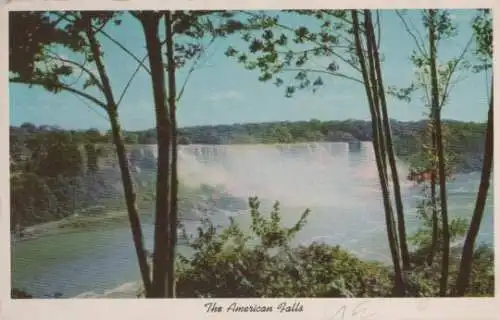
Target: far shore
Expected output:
[73,223]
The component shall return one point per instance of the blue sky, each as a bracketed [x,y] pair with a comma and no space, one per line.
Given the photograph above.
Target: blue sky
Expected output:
[220,91]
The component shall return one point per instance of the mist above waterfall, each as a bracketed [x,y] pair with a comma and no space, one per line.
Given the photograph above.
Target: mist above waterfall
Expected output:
[309,174]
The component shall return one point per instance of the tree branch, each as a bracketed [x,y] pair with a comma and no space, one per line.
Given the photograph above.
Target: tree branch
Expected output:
[337,74]
[349,63]
[92,109]
[105,34]
[79,65]
[452,71]
[379,30]
[136,71]
[62,87]
[126,51]
[410,32]
[191,70]
[129,82]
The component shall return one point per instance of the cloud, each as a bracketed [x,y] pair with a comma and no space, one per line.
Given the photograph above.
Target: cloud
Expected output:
[226,95]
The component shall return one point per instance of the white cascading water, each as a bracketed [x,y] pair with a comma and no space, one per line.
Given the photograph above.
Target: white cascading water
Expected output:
[309,174]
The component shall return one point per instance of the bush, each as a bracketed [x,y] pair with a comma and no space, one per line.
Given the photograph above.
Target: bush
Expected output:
[483,273]
[424,277]
[261,263]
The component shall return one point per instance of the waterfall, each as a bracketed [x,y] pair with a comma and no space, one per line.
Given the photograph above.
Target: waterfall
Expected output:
[302,174]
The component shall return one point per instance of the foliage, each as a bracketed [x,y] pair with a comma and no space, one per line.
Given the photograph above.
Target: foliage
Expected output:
[277,49]
[483,33]
[56,174]
[46,177]
[449,72]
[424,279]
[424,158]
[423,237]
[483,273]
[37,54]
[261,263]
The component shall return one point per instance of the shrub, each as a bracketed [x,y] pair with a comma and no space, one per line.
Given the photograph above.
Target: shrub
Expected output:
[261,263]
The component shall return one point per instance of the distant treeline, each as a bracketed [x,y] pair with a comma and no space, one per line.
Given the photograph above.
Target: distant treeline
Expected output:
[465,138]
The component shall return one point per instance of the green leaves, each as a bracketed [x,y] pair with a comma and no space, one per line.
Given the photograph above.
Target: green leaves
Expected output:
[51,174]
[483,33]
[402,93]
[35,52]
[445,28]
[262,263]
[449,72]
[33,32]
[302,34]
[276,49]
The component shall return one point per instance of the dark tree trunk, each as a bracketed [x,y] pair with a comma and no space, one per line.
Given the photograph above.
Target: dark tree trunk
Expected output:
[128,186]
[172,97]
[161,258]
[376,102]
[130,197]
[440,155]
[463,278]
[435,220]
[405,256]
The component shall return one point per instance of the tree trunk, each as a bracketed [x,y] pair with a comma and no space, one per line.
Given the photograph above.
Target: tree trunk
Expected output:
[128,186]
[440,153]
[463,278]
[172,97]
[435,221]
[405,256]
[376,102]
[130,197]
[161,258]
[371,95]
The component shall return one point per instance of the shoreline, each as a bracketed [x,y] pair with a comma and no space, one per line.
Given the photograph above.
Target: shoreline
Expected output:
[73,223]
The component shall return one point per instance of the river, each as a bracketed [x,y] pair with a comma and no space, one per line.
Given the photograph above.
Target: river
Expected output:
[337,181]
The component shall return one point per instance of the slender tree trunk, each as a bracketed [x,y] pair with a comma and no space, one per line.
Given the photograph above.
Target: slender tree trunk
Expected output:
[463,278]
[376,102]
[172,97]
[435,221]
[128,186]
[382,141]
[440,153]
[130,197]
[405,256]
[161,258]
[376,143]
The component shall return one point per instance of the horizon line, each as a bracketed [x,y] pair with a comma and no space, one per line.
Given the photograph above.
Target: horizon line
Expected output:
[248,123]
